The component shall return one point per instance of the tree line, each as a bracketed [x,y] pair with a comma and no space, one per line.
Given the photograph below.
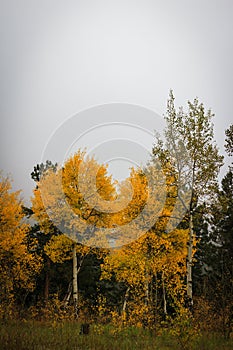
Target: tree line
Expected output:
[155,247]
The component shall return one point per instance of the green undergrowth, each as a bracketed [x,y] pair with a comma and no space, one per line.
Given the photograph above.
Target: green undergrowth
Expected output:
[22,335]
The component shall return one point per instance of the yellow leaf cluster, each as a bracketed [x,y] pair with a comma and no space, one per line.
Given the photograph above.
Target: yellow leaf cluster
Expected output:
[18,266]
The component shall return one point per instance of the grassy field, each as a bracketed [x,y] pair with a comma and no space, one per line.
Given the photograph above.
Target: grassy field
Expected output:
[42,336]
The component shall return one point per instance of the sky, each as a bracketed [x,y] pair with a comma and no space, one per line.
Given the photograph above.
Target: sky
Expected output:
[62,58]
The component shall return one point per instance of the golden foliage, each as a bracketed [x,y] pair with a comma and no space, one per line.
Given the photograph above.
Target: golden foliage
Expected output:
[82,200]
[18,266]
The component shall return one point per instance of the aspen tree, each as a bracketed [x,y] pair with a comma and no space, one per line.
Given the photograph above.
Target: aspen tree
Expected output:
[189,145]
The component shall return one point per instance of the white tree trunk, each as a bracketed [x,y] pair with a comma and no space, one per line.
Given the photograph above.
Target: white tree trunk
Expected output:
[68,294]
[125,300]
[190,262]
[164,296]
[75,281]
[147,289]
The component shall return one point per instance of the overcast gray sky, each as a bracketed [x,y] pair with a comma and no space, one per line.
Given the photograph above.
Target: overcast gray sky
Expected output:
[61,57]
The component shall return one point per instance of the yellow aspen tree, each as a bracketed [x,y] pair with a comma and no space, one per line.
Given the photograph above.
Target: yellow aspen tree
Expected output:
[68,199]
[190,147]
[18,265]
[157,252]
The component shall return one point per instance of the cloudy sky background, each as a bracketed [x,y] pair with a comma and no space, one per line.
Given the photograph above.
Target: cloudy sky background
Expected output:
[62,57]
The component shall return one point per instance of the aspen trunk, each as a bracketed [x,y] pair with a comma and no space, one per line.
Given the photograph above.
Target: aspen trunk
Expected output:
[190,263]
[164,296]
[147,289]
[75,281]
[68,295]
[156,292]
[47,275]
[125,300]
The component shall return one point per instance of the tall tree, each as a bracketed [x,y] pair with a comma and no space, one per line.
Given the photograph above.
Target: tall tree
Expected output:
[221,261]
[152,266]
[18,263]
[67,199]
[43,236]
[189,145]
[215,233]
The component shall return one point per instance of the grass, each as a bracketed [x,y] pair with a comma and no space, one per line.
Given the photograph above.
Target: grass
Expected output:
[47,336]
